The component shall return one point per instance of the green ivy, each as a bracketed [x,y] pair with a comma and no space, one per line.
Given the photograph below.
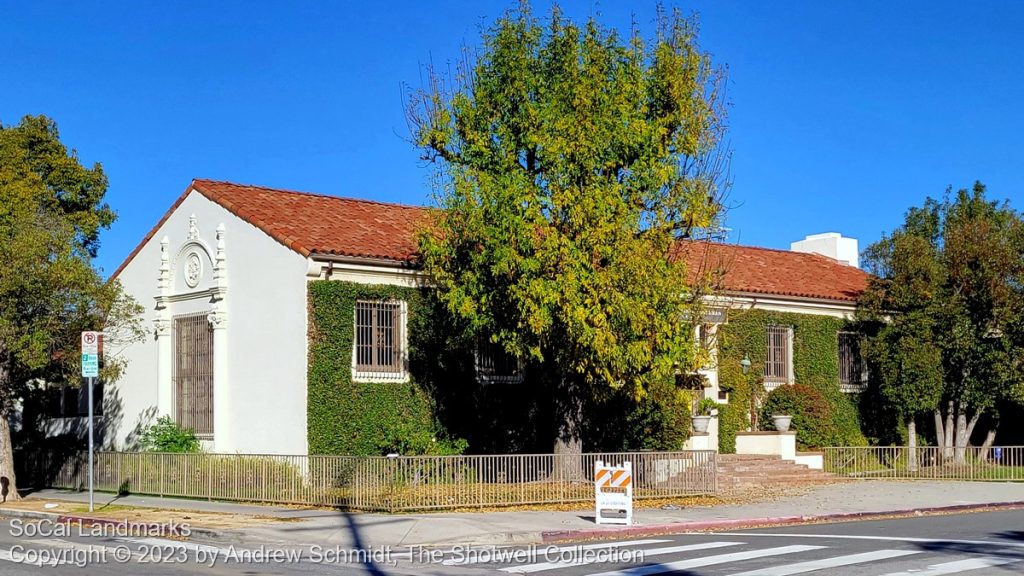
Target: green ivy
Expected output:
[346,417]
[815,364]
[442,408]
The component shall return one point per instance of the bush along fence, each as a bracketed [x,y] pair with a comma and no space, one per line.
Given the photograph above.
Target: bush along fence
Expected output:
[1005,463]
[379,483]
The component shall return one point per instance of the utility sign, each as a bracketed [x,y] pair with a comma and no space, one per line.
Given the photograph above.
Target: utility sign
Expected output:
[90,354]
[613,492]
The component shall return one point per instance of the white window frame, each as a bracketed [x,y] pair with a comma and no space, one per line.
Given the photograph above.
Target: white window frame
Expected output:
[402,375]
[851,387]
[788,379]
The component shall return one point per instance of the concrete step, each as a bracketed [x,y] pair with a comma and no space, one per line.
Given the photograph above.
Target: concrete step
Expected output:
[745,457]
[767,480]
[744,471]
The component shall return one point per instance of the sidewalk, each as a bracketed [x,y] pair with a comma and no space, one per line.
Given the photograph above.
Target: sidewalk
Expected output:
[832,501]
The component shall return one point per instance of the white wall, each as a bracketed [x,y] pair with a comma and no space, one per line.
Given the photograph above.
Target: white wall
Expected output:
[831,244]
[266,334]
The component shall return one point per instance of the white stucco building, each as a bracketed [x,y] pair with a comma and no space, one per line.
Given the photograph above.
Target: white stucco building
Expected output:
[223,280]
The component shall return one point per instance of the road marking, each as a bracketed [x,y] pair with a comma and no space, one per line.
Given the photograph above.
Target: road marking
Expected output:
[7,556]
[478,555]
[958,566]
[37,553]
[160,542]
[875,538]
[708,561]
[834,562]
[581,561]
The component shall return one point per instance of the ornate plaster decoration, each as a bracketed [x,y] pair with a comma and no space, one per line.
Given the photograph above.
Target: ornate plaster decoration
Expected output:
[220,260]
[162,326]
[164,278]
[193,270]
[218,317]
[193,228]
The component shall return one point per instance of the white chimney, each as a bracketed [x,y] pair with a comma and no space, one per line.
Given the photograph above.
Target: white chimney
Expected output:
[831,244]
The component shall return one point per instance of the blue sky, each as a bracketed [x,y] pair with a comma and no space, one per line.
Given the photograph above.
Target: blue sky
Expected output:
[843,113]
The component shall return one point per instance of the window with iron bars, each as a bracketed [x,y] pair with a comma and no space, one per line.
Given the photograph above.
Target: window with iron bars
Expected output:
[193,373]
[853,371]
[379,343]
[778,365]
[494,365]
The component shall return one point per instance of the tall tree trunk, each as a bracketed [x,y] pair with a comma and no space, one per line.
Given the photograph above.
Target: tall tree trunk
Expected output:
[960,451]
[971,424]
[912,443]
[947,441]
[986,446]
[940,433]
[568,448]
[8,482]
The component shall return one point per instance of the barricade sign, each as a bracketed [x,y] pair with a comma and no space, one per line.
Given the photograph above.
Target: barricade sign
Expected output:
[613,493]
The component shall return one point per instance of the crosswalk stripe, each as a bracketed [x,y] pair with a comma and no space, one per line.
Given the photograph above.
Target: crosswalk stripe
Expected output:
[708,561]
[34,555]
[480,557]
[7,556]
[530,568]
[834,562]
[958,566]
[160,542]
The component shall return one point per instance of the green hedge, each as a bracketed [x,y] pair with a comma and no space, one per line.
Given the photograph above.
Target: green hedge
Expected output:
[815,364]
[346,417]
[812,416]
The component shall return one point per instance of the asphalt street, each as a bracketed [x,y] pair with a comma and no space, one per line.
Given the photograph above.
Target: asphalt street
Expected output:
[982,544]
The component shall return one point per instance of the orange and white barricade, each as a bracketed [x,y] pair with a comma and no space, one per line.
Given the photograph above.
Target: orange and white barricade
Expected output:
[613,492]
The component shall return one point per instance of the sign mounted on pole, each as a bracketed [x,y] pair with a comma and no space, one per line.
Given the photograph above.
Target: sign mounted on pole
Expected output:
[90,354]
[91,371]
[613,492]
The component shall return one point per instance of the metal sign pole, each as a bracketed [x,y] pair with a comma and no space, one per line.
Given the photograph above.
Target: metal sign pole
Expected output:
[90,371]
[90,382]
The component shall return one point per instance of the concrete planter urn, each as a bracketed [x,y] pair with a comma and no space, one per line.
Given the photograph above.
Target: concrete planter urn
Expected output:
[700,423]
[782,422]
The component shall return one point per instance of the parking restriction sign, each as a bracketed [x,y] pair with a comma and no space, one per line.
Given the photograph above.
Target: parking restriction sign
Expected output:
[90,354]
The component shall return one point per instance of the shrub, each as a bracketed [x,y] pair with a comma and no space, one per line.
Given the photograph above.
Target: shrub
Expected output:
[706,406]
[812,417]
[165,435]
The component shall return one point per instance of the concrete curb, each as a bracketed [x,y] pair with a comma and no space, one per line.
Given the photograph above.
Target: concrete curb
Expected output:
[738,523]
[148,527]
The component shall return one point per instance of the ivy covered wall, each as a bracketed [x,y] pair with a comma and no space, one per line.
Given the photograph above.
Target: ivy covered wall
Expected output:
[346,417]
[442,408]
[815,364]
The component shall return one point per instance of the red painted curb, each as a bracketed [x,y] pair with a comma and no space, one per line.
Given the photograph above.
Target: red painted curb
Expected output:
[703,525]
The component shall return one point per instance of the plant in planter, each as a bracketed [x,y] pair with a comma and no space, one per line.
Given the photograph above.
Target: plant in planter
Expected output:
[809,412]
[706,409]
[782,422]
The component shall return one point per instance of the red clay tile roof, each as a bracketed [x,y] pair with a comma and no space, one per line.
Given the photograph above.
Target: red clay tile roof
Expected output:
[313,223]
[747,269]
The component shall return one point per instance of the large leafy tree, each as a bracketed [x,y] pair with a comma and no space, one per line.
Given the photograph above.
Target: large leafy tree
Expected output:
[948,301]
[570,162]
[51,214]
